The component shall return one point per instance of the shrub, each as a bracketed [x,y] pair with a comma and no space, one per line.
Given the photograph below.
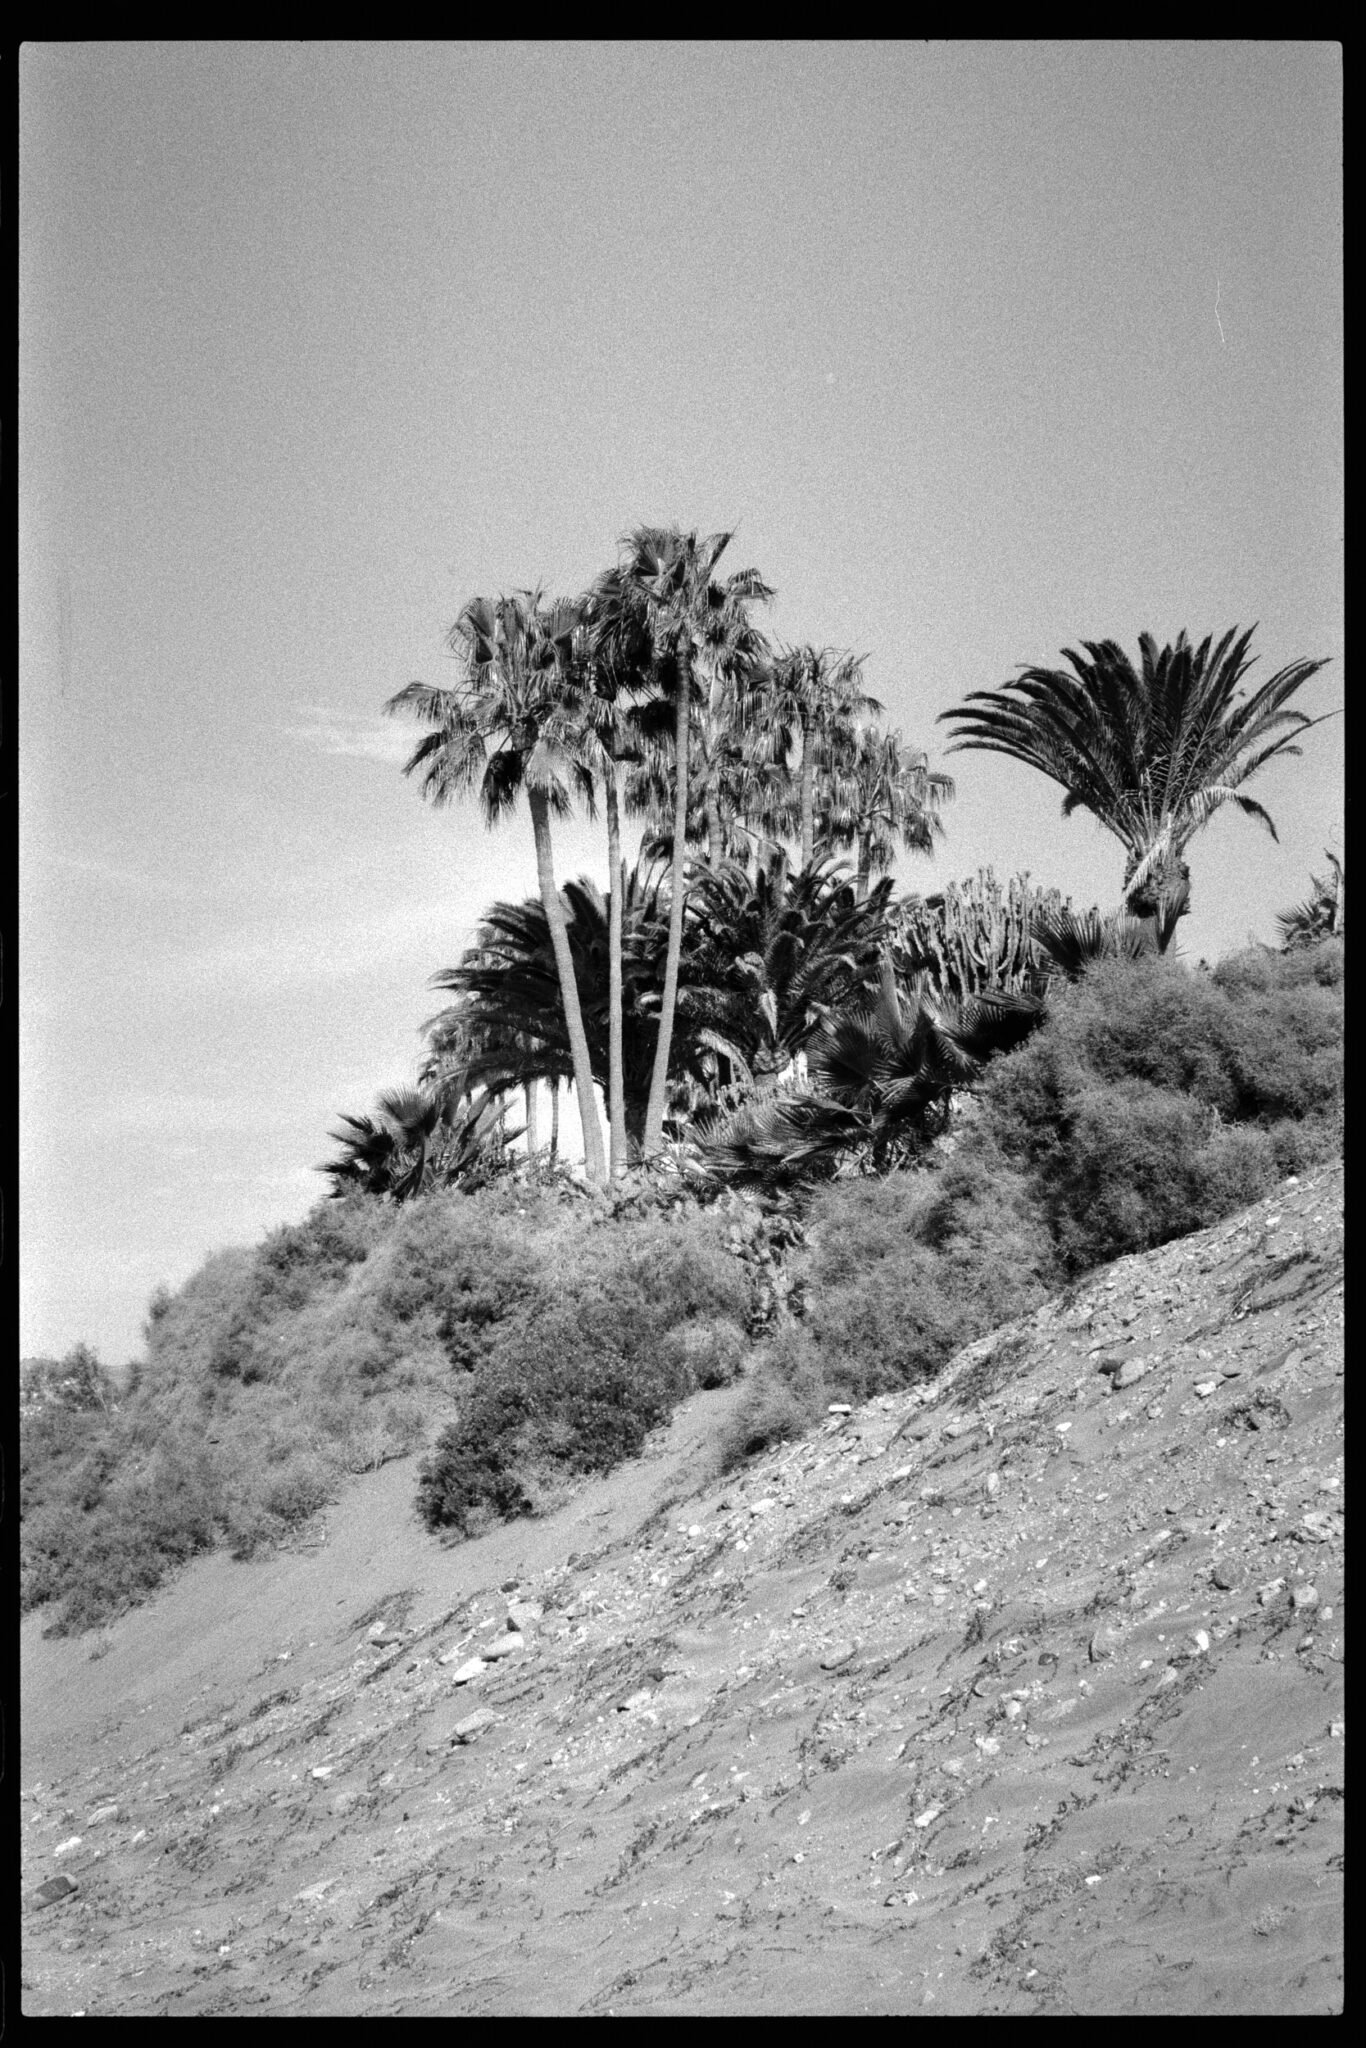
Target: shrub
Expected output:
[909,1269]
[620,1323]
[1154,1102]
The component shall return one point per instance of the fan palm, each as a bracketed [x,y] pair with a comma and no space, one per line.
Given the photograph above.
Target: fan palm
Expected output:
[508,728]
[415,1128]
[814,696]
[1152,752]
[880,792]
[666,582]
[882,1075]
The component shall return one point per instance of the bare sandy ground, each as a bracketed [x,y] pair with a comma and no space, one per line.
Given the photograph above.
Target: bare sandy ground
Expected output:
[1021,1697]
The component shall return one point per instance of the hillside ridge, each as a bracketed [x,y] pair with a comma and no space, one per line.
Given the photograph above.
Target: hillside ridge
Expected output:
[1019,1692]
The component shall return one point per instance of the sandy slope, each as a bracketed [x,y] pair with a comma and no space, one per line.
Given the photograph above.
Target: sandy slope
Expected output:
[1025,1697]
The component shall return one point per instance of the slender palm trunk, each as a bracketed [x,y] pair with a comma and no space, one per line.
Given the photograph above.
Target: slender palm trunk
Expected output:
[715,837]
[594,1158]
[865,863]
[531,1145]
[616,871]
[554,1121]
[654,1114]
[808,796]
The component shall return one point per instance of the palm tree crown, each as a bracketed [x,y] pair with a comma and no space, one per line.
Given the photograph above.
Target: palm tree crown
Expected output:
[1152,752]
[880,792]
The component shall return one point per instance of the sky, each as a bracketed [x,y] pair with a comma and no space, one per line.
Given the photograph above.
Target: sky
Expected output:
[982,349]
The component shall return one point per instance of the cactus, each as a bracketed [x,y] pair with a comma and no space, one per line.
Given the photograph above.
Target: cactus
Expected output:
[975,936]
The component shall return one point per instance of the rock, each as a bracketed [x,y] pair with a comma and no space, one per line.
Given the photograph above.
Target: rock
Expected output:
[502,1646]
[1133,1369]
[1204,1388]
[65,1848]
[837,1656]
[522,1614]
[465,1731]
[1222,1577]
[1109,1366]
[761,1507]
[1102,1645]
[468,1670]
[958,1428]
[1304,1596]
[101,1815]
[49,1893]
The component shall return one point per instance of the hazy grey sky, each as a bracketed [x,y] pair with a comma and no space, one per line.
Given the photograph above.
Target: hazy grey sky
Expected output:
[984,348]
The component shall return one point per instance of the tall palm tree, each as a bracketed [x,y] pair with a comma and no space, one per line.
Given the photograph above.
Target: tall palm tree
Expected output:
[737,794]
[880,793]
[614,653]
[1152,752]
[505,729]
[815,697]
[666,581]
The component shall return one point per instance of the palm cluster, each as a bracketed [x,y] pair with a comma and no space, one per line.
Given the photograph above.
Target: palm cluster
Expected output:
[657,690]
[753,977]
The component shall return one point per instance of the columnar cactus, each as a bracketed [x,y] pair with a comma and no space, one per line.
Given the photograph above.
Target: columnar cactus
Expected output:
[974,936]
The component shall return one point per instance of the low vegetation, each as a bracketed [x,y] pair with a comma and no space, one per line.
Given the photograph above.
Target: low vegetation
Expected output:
[524,1333]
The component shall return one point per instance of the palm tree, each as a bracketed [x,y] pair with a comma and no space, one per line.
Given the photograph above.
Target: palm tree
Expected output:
[666,582]
[1322,917]
[506,1014]
[881,792]
[814,696]
[882,1079]
[508,727]
[732,787]
[769,957]
[614,654]
[1151,752]
[416,1128]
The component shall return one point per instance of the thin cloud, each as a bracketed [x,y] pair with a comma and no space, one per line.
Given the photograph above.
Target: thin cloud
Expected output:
[358,737]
